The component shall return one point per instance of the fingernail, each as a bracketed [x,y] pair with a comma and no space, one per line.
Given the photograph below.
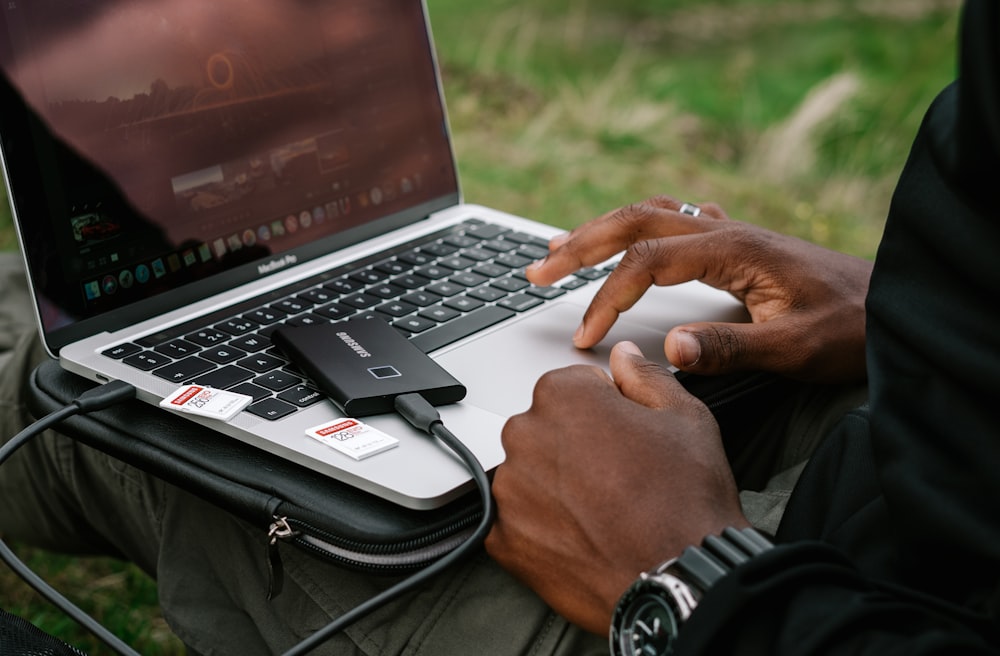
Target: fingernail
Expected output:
[688,347]
[558,241]
[538,264]
[630,348]
[578,335]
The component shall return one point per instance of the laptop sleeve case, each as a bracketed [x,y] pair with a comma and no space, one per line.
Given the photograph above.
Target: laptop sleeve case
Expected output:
[286,501]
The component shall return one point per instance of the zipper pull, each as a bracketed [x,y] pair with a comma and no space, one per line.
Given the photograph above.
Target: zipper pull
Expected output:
[279,530]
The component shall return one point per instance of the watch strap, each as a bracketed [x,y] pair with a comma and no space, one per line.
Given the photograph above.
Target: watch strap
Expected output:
[718,555]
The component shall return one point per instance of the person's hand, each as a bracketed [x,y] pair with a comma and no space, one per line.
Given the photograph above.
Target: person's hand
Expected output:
[605,479]
[806,302]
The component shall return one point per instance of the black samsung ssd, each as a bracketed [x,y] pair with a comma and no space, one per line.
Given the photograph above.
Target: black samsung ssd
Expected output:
[364,364]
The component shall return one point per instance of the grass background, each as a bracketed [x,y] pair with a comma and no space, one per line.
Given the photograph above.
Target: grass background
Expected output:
[793,114]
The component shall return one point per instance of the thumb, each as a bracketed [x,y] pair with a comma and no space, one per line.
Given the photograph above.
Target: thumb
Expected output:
[641,380]
[719,348]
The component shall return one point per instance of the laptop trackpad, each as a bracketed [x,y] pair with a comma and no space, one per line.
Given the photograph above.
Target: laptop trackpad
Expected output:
[500,369]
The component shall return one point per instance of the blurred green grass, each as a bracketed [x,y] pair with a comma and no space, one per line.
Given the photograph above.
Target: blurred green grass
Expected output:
[793,114]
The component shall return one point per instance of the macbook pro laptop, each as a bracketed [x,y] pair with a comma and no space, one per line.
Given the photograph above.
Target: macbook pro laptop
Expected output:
[187,176]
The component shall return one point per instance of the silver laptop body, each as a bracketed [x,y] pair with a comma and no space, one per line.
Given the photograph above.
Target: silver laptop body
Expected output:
[186,176]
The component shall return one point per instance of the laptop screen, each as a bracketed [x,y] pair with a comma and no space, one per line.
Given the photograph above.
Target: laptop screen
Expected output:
[158,147]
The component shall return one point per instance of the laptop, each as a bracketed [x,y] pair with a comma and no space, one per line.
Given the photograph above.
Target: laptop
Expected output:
[187,176]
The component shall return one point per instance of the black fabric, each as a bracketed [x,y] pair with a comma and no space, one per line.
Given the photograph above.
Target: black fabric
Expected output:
[891,541]
[19,637]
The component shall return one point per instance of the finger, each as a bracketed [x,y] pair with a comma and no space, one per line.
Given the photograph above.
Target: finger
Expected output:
[597,240]
[650,262]
[642,380]
[718,348]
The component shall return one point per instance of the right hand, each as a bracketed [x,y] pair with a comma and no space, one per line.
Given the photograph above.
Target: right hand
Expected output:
[806,302]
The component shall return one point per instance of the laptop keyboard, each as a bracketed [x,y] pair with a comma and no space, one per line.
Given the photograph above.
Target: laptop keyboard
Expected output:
[435,291]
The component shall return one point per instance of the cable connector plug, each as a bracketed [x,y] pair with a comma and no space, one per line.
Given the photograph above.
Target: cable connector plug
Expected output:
[418,411]
[104,396]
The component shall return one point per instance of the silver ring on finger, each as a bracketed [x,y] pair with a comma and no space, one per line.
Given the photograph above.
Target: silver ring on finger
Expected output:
[689,209]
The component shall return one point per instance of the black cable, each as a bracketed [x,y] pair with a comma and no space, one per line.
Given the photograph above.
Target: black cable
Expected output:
[424,417]
[97,398]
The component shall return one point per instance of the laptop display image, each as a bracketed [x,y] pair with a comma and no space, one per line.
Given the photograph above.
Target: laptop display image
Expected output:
[188,177]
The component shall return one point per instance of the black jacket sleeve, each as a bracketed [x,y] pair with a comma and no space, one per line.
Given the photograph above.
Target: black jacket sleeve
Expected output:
[891,542]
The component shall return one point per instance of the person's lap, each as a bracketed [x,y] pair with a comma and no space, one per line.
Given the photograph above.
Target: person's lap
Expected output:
[212,569]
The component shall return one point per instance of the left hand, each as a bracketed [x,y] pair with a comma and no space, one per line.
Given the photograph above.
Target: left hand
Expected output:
[604,479]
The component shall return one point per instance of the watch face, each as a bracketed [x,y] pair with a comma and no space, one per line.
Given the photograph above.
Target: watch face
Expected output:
[645,626]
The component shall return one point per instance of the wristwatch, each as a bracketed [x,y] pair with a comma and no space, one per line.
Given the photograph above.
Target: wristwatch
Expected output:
[650,613]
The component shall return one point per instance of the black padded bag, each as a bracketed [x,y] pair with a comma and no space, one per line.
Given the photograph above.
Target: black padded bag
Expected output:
[290,502]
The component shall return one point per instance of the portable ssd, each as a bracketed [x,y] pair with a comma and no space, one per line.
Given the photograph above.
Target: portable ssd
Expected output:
[364,364]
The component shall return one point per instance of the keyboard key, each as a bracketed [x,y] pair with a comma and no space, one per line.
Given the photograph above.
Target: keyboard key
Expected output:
[461,327]
[265,316]
[334,311]
[439,313]
[546,293]
[461,241]
[385,291]
[207,337]
[478,254]
[343,286]
[271,409]
[178,349]
[261,363]
[487,293]
[410,281]
[486,231]
[266,331]
[510,284]
[421,299]
[301,396]
[292,305]
[184,370]
[251,343]
[590,273]
[278,381]
[520,302]
[307,319]
[318,295]
[438,250]
[491,270]
[525,238]
[445,288]
[513,260]
[251,390]
[534,252]
[368,276]
[223,354]
[434,272]
[225,377]
[416,257]
[468,279]
[373,315]
[394,267]
[573,283]
[463,303]
[122,351]
[147,360]
[500,245]
[361,301]
[414,324]
[238,326]
[397,308]
[456,263]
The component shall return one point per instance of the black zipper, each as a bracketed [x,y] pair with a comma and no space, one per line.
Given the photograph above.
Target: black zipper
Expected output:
[392,558]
